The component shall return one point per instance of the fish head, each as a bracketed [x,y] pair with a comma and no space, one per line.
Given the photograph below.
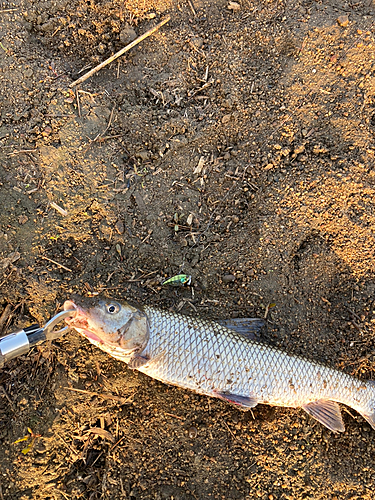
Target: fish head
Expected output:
[109,323]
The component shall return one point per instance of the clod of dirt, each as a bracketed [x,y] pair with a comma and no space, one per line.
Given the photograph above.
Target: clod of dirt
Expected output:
[229,278]
[127,35]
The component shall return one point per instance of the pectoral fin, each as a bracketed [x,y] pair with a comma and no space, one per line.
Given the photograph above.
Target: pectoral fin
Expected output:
[248,327]
[136,361]
[243,402]
[327,413]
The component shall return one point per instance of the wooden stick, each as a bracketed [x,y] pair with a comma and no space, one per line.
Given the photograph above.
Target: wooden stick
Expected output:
[119,53]
[104,396]
[56,263]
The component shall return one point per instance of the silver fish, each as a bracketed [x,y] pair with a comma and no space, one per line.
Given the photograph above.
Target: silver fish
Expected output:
[219,360]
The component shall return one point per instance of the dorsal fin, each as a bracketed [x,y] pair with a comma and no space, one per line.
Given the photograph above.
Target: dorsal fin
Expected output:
[248,327]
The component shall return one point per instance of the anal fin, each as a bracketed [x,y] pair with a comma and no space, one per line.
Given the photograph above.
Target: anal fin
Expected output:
[242,402]
[327,413]
[370,418]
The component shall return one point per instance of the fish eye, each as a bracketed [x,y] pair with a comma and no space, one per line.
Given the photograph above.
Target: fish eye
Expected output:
[113,308]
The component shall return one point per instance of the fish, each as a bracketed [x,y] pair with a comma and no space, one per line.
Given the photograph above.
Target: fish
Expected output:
[222,359]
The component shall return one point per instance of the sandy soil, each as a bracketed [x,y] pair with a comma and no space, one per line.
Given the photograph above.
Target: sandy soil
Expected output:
[234,145]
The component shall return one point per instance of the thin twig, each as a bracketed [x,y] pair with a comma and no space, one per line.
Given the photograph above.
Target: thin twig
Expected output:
[104,396]
[4,317]
[78,103]
[120,53]
[118,442]
[191,5]
[58,208]
[56,263]
[175,416]
[22,151]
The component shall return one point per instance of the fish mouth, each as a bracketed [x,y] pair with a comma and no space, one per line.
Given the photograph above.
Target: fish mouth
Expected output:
[80,321]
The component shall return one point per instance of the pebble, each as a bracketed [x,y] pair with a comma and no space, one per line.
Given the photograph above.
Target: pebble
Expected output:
[343,21]
[28,73]
[119,226]
[22,219]
[192,432]
[197,42]
[143,155]
[299,149]
[228,278]
[234,6]
[101,48]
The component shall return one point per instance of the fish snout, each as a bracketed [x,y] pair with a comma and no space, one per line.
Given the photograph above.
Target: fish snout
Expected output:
[69,305]
[77,319]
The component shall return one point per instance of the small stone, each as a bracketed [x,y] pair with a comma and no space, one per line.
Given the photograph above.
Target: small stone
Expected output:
[227,156]
[318,149]
[29,72]
[127,35]
[299,149]
[226,119]
[343,21]
[22,219]
[197,42]
[268,167]
[192,432]
[228,278]
[101,48]
[46,132]
[119,226]
[143,155]
[234,6]
[235,219]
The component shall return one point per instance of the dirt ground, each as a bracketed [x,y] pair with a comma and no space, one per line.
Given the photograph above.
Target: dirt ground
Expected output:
[235,145]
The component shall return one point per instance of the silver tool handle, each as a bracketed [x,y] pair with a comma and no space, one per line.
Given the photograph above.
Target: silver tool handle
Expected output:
[13,345]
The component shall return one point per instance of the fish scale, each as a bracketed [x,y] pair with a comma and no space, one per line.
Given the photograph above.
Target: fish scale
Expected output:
[219,361]
[209,359]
